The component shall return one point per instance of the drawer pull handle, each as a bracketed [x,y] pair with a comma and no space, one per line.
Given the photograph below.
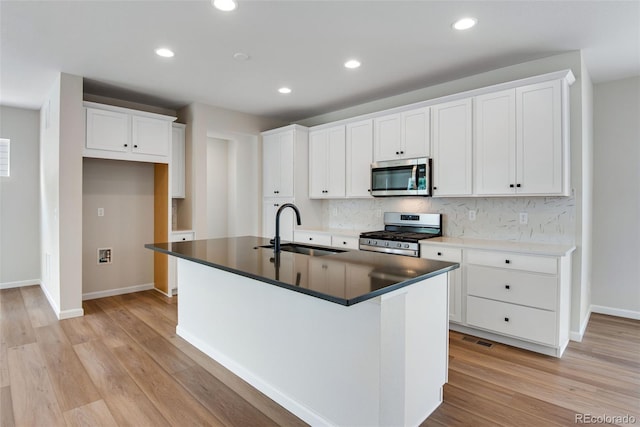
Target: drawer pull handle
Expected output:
[310,238]
[506,319]
[506,261]
[439,253]
[184,238]
[344,243]
[507,287]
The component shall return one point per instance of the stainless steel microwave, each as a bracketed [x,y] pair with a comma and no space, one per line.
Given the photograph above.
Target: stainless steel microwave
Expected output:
[406,177]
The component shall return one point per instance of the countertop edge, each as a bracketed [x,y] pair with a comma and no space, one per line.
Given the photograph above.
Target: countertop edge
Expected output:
[306,291]
[547,249]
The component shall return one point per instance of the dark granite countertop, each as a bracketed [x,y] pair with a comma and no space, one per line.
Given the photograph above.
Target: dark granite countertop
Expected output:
[344,278]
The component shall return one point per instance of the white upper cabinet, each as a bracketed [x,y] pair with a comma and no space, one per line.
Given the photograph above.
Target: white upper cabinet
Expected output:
[278,153]
[178,161]
[327,163]
[124,134]
[542,153]
[359,158]
[402,136]
[495,143]
[452,148]
[518,143]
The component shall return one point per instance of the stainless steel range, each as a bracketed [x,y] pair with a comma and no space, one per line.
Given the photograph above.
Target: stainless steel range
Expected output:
[402,232]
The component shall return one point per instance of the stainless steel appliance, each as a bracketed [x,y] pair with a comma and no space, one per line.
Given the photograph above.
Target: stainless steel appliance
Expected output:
[407,177]
[402,232]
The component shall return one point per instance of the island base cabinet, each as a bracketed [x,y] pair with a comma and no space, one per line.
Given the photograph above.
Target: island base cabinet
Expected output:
[379,362]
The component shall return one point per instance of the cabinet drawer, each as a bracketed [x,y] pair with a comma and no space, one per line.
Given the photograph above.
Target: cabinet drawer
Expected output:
[526,323]
[539,264]
[441,254]
[182,236]
[519,287]
[312,238]
[347,242]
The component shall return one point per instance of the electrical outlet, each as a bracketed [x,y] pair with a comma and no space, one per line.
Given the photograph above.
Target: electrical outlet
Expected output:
[334,211]
[524,218]
[472,215]
[100,211]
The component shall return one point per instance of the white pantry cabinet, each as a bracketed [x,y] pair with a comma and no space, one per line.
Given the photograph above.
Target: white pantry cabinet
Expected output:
[359,156]
[519,146]
[178,161]
[123,134]
[452,148]
[327,163]
[402,135]
[278,164]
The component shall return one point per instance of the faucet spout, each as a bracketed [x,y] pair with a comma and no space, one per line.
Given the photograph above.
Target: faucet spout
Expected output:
[276,239]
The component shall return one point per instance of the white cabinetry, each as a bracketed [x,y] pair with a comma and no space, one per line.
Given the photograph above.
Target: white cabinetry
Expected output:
[402,136]
[454,277]
[327,163]
[178,161]
[518,143]
[124,134]
[269,209]
[359,156]
[336,239]
[452,148]
[517,294]
[278,156]
[177,236]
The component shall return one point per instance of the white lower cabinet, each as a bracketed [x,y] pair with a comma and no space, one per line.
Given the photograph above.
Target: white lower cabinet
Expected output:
[511,296]
[177,236]
[327,238]
[312,238]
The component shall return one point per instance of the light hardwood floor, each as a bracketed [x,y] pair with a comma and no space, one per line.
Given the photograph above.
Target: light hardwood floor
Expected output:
[122,364]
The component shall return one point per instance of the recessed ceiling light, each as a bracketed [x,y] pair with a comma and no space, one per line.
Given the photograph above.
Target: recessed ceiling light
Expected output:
[164,52]
[240,56]
[464,23]
[284,90]
[224,5]
[352,63]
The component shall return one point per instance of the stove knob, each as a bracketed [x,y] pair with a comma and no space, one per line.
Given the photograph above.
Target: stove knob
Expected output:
[386,243]
[399,245]
[406,245]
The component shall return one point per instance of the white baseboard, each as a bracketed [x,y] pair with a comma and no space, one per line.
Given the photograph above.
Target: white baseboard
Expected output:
[577,336]
[68,314]
[618,312]
[19,283]
[119,291]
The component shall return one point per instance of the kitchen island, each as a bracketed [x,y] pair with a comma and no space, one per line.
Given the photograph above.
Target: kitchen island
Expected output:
[350,338]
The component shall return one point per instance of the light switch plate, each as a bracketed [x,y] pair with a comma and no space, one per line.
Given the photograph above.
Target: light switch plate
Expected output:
[472,215]
[100,211]
[524,218]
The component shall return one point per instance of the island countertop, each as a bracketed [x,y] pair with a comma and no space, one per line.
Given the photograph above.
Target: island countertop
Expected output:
[344,278]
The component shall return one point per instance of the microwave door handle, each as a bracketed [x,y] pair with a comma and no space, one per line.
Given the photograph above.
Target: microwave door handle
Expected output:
[415,177]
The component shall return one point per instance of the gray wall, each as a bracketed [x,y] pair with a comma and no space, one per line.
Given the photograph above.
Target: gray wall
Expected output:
[616,218]
[125,191]
[20,200]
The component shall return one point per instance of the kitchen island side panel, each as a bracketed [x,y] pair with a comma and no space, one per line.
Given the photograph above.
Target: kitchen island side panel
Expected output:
[326,363]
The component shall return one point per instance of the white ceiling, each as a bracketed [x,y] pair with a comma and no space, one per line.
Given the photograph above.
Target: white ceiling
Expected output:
[403,45]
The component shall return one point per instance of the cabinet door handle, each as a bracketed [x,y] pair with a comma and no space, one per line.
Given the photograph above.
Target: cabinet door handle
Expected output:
[397,152]
[439,253]
[506,319]
[402,152]
[518,185]
[126,145]
[507,287]
[344,243]
[435,188]
[506,261]
[511,185]
[310,238]
[135,146]
[184,238]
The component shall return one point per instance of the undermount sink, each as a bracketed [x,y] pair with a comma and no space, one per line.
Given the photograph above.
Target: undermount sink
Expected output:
[305,249]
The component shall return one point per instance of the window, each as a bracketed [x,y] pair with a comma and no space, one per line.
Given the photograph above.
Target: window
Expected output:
[4,157]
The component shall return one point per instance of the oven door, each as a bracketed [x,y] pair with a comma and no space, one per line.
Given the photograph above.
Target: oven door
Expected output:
[408,177]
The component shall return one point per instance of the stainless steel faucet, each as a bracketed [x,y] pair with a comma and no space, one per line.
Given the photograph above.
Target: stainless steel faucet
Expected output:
[276,240]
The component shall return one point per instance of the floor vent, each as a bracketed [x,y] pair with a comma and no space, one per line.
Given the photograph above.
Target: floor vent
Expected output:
[469,339]
[484,343]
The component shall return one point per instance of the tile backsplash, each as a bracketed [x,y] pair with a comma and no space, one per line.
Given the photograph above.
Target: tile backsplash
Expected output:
[550,219]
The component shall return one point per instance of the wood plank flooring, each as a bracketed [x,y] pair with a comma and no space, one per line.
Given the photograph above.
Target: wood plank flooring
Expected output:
[123,365]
